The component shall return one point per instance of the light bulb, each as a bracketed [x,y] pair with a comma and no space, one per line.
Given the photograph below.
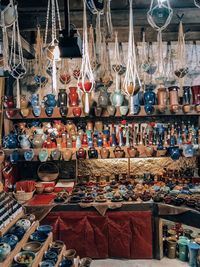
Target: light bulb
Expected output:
[56,52]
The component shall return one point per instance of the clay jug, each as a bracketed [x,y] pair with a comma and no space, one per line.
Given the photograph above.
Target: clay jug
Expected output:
[104,152]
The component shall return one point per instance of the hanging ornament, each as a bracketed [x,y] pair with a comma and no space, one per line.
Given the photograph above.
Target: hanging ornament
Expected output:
[86,77]
[131,79]
[160,14]
[169,66]
[52,49]
[181,68]
[197,3]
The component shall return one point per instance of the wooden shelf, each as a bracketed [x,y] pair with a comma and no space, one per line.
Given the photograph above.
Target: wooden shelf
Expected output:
[5,229]
[142,113]
[40,254]
[60,256]
[8,261]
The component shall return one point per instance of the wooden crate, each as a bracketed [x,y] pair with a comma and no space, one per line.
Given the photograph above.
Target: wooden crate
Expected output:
[19,246]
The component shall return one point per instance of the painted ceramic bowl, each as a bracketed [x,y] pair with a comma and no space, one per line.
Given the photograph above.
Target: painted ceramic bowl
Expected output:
[24,223]
[33,246]
[36,236]
[47,263]
[50,255]
[66,263]
[44,229]
[18,231]
[10,239]
[25,257]
[4,251]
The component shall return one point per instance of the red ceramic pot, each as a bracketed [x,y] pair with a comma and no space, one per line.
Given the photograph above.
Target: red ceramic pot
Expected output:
[77,111]
[86,86]
[81,153]
[73,97]
[195,94]
[8,102]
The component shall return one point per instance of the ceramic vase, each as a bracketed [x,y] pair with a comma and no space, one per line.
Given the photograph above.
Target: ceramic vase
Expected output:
[73,97]
[162,99]
[117,98]
[173,98]
[67,154]
[62,98]
[23,102]
[103,97]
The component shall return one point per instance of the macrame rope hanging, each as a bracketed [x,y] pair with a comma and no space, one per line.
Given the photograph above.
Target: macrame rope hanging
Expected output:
[86,77]
[16,60]
[197,3]
[8,17]
[194,63]
[160,9]
[169,66]
[92,49]
[108,27]
[53,5]
[131,75]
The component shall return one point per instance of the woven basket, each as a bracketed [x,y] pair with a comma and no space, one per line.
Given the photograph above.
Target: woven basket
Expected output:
[22,196]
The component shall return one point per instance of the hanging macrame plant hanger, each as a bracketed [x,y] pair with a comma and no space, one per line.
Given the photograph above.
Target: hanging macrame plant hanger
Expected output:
[131,79]
[86,77]
[197,3]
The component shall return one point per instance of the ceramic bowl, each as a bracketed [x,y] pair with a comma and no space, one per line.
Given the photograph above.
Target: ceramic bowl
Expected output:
[69,254]
[50,255]
[66,263]
[33,246]
[25,257]
[10,239]
[24,223]
[36,236]
[44,229]
[18,231]
[57,245]
[4,251]
[47,263]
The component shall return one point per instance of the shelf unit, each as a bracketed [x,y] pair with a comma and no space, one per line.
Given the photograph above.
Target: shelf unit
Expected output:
[5,229]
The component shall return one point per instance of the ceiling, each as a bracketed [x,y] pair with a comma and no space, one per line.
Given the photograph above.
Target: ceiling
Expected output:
[32,12]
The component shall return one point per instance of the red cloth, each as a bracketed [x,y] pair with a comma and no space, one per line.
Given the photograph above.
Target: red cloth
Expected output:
[115,235]
[43,199]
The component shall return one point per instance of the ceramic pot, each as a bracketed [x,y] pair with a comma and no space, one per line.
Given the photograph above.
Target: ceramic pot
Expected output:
[92,153]
[105,153]
[117,98]
[81,153]
[5,250]
[58,125]
[29,155]
[8,102]
[2,156]
[103,97]
[63,111]
[23,102]
[14,156]
[132,152]
[193,253]
[69,126]
[49,111]
[73,97]
[149,151]
[62,98]
[77,111]
[118,152]
[183,248]
[195,94]
[98,111]
[174,152]
[162,99]
[188,151]
[123,110]
[70,254]
[111,110]
[171,248]
[173,98]
[56,154]
[36,111]
[149,96]
[34,100]
[57,246]
[66,263]
[26,224]
[50,101]
[67,154]
[38,140]
[10,239]
[43,155]
[149,109]
[24,141]
[10,141]
[86,87]
[24,112]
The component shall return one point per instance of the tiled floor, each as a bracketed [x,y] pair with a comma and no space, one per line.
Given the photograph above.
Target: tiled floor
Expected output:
[138,263]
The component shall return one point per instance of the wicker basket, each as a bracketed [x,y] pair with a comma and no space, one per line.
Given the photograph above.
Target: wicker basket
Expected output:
[22,196]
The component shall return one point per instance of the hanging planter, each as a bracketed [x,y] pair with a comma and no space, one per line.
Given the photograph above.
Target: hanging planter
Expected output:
[197,3]
[131,79]
[64,76]
[86,77]
[194,71]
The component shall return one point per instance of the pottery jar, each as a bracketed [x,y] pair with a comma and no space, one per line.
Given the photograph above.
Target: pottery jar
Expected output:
[24,141]
[183,248]
[62,98]
[77,111]
[132,151]
[4,251]
[149,96]
[56,154]
[50,101]
[67,154]
[195,94]
[103,97]
[73,97]
[111,110]
[99,126]
[29,155]
[38,140]
[104,152]
[193,253]
[117,98]
[24,112]
[34,99]
[69,126]
[43,155]
[63,111]
[171,248]
[92,153]
[23,101]
[81,153]
[173,98]
[90,126]
[10,141]
[58,125]
[162,99]
[118,152]
[8,102]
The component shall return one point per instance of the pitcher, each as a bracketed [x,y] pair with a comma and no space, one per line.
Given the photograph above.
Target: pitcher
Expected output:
[24,141]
